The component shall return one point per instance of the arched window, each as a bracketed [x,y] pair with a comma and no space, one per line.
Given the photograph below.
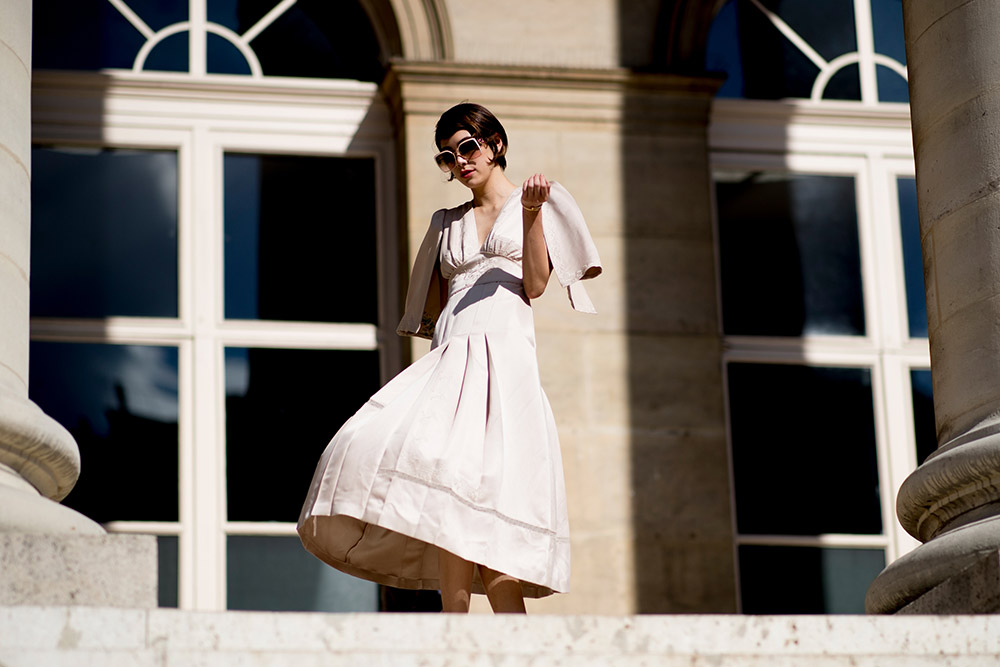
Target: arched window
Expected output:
[824,322]
[817,50]
[300,38]
[214,273]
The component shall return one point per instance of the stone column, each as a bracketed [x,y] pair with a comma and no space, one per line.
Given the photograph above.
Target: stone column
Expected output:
[39,460]
[952,501]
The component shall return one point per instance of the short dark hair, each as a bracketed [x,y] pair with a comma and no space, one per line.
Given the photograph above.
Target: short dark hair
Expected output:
[478,121]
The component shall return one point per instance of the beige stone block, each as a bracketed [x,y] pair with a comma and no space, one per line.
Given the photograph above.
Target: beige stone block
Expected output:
[946,43]
[966,368]
[13,326]
[673,381]
[666,186]
[680,485]
[15,29]
[958,158]
[15,204]
[966,257]
[15,106]
[599,475]
[101,571]
[558,33]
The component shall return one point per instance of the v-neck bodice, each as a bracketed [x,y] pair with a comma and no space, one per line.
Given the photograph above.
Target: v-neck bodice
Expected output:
[461,252]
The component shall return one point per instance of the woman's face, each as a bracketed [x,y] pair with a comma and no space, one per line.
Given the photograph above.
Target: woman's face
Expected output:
[471,168]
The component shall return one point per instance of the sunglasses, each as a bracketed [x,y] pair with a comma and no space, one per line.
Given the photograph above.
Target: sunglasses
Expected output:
[467,149]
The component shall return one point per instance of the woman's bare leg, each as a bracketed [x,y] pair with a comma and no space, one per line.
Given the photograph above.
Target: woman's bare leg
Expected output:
[503,591]
[456,582]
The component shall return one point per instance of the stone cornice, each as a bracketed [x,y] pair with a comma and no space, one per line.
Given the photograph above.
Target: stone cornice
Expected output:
[620,96]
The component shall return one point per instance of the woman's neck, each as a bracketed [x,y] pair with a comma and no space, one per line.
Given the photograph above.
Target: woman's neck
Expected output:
[494,192]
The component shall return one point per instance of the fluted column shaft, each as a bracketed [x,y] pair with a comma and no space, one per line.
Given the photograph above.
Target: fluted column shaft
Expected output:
[952,501]
[38,458]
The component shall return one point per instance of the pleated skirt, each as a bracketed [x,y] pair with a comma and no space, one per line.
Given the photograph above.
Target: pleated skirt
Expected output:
[458,452]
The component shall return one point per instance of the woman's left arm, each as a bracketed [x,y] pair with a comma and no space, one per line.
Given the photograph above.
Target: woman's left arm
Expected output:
[535,260]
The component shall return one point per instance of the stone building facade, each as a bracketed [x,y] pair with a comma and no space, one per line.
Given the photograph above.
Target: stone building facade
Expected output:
[225,199]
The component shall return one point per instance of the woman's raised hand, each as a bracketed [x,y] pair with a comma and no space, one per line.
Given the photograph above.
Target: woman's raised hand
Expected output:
[535,192]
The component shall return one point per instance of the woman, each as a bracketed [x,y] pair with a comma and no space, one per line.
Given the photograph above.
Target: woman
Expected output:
[450,477]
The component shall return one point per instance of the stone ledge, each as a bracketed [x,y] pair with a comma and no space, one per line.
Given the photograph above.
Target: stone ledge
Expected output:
[82,636]
[90,570]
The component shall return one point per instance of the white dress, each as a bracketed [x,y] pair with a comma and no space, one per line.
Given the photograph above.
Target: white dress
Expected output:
[459,450]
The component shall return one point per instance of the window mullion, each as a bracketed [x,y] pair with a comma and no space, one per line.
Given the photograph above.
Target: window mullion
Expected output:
[866,51]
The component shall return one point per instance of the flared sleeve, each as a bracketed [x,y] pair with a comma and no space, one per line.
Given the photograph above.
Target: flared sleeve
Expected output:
[571,249]
[418,320]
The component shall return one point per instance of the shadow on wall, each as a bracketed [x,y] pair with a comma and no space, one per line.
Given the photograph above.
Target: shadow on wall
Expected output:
[683,542]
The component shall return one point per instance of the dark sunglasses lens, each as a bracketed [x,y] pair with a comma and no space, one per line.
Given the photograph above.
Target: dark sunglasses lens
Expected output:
[468,147]
[445,160]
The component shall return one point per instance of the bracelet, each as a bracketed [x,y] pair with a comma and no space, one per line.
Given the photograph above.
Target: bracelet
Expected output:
[533,209]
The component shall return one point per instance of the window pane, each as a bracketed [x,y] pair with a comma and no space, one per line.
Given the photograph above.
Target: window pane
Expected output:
[887,23]
[103,233]
[791,262]
[815,581]
[92,34]
[167,580]
[120,403]
[313,38]
[913,262]
[923,413]
[891,86]
[170,55]
[277,574]
[762,63]
[803,443]
[224,57]
[300,238]
[292,402]
[845,84]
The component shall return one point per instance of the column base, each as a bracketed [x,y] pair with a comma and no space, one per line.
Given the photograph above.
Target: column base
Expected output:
[974,590]
[23,510]
[931,565]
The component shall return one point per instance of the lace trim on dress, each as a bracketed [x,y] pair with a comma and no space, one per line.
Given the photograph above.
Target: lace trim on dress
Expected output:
[507,269]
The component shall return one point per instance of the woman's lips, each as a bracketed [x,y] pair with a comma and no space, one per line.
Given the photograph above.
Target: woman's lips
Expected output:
[468,172]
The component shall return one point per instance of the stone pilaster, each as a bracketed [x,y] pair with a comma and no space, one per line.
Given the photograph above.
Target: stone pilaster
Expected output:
[38,458]
[952,501]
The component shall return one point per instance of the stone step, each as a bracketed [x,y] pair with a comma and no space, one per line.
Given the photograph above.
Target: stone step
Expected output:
[69,636]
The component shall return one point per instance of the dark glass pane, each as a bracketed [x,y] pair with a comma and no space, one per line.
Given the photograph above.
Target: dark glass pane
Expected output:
[891,86]
[103,233]
[825,25]
[300,238]
[120,403]
[170,55]
[844,85]
[158,14]
[277,574]
[723,49]
[82,35]
[887,24]
[923,413]
[806,580]
[913,261]
[791,262]
[224,58]
[291,401]
[762,63]
[314,38]
[167,579]
[803,443]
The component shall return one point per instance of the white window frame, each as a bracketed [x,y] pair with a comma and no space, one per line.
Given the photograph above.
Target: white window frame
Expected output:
[202,119]
[874,146]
